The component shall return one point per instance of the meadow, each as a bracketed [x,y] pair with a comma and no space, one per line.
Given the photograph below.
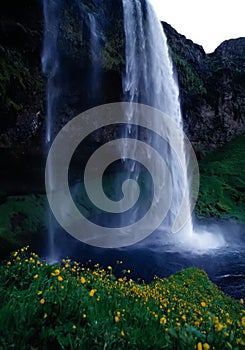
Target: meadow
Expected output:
[73,306]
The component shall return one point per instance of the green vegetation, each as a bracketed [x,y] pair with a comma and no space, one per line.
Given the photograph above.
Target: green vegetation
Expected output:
[16,82]
[222,184]
[69,306]
[20,219]
[188,77]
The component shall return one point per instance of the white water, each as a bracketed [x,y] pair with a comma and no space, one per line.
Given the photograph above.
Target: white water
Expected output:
[149,79]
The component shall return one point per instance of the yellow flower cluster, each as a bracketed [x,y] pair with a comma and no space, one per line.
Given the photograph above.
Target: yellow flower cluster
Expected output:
[172,305]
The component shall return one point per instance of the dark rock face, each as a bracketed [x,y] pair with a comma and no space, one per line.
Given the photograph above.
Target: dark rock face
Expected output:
[22,84]
[212,89]
[211,86]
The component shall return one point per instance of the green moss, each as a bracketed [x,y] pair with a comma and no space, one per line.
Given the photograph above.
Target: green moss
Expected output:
[112,57]
[188,78]
[222,182]
[17,83]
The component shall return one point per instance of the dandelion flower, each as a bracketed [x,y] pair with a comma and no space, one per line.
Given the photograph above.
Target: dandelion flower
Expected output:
[42,301]
[60,278]
[35,276]
[203,303]
[116,319]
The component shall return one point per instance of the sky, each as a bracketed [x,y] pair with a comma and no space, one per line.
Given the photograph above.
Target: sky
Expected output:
[206,22]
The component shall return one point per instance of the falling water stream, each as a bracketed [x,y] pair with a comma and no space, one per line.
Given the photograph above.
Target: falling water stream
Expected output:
[149,79]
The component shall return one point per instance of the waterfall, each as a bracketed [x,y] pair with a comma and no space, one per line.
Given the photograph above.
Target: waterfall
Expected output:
[149,79]
[77,51]
[69,26]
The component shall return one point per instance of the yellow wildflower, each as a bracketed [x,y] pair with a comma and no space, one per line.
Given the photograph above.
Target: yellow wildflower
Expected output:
[243,321]
[116,319]
[60,278]
[218,327]
[239,341]
[199,346]
[42,301]
[83,280]
[74,326]
[242,301]
[45,315]
[39,292]
[203,303]
[206,346]
[56,272]
[122,333]
[163,320]
[84,315]
[92,292]
[35,276]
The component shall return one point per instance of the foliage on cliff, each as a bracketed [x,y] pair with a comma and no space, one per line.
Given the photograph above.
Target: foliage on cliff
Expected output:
[21,83]
[222,186]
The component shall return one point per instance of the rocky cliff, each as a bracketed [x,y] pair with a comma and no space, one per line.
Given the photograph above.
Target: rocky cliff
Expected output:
[212,89]
[211,85]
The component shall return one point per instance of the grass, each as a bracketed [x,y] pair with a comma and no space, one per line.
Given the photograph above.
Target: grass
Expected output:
[222,182]
[69,306]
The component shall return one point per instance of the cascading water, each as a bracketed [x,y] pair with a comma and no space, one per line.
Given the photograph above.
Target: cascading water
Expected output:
[75,84]
[149,79]
[60,76]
